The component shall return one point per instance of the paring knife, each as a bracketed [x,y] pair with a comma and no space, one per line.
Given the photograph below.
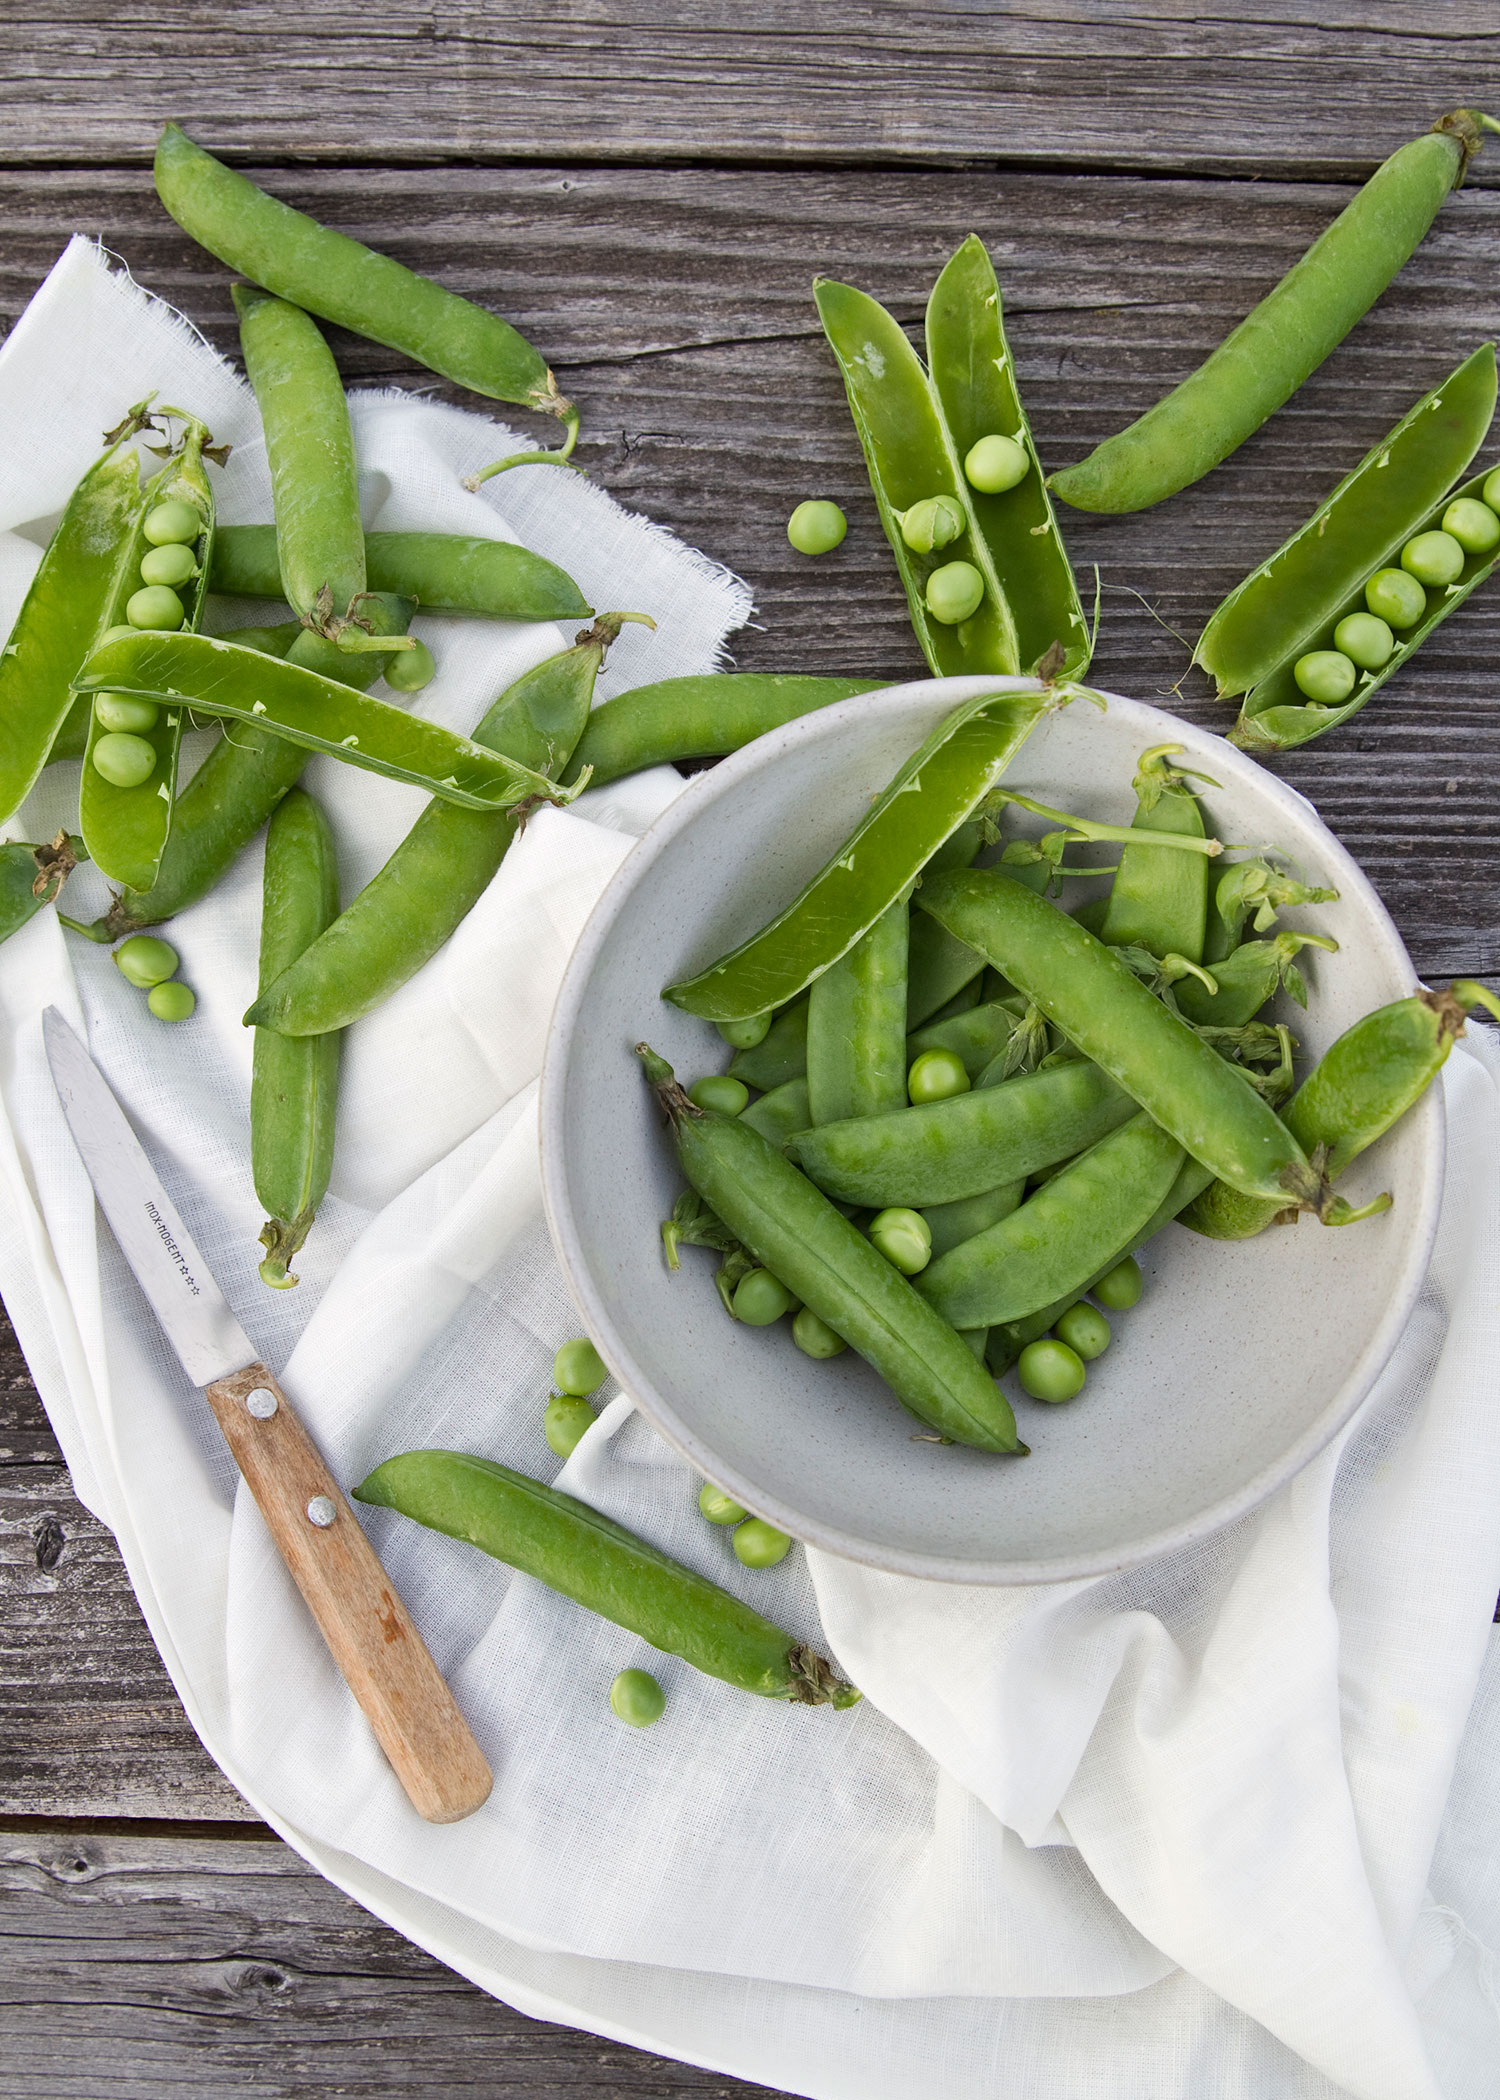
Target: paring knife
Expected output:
[359,1615]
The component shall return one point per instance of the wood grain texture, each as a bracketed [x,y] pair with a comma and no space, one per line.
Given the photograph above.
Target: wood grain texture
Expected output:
[1328,89]
[150,1966]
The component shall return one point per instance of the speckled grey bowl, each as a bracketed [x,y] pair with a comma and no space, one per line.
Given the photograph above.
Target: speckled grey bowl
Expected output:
[1237,1366]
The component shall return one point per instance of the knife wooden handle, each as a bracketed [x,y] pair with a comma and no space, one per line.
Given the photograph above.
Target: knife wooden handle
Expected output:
[368,1629]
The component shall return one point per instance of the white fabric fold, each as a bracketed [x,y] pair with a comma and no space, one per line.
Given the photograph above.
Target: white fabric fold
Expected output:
[1153,1835]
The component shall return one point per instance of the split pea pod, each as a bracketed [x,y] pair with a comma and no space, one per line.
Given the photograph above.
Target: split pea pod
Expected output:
[1159,899]
[1091,995]
[943,1151]
[795,1232]
[69,602]
[975,1036]
[1057,1239]
[126,817]
[1276,716]
[1252,890]
[320,713]
[934,792]
[445,863]
[1247,978]
[1300,590]
[1263,361]
[32,876]
[856,1025]
[449,574]
[608,1570]
[704,717]
[341,280]
[237,786]
[1361,1086]
[294,1084]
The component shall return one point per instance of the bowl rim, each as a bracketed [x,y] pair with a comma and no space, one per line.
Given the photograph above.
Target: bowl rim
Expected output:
[699,796]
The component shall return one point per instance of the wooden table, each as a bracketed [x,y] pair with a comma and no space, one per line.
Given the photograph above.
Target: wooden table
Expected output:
[647,191]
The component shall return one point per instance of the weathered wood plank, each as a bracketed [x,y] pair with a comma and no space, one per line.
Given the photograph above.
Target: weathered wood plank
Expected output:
[1327,90]
[676,307]
[152,1965]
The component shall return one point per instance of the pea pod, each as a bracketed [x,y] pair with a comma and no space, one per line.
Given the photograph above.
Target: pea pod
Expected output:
[445,863]
[1056,1240]
[1359,1088]
[32,876]
[1298,591]
[974,377]
[294,1085]
[607,1569]
[70,600]
[1091,995]
[341,280]
[1254,973]
[780,1055]
[976,1037]
[795,1232]
[938,968]
[950,1224]
[856,1026]
[780,1114]
[126,827]
[446,573]
[1274,716]
[320,713]
[943,1151]
[235,789]
[1159,900]
[704,717]
[1263,361]
[939,786]
[1252,890]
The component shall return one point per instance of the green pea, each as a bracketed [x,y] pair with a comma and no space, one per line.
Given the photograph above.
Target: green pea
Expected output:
[1474,525]
[155,607]
[813,1338]
[1051,1371]
[718,1090]
[1084,1329]
[566,1423]
[1491,490]
[955,592]
[760,1545]
[1434,558]
[1121,1288]
[115,634]
[145,960]
[409,670]
[123,711]
[816,528]
[718,1507]
[172,524]
[124,761]
[934,522]
[170,565]
[171,1002]
[996,463]
[1366,640]
[578,1369]
[1394,596]
[744,1035]
[1326,675]
[936,1076]
[637,1698]
[904,1237]
[759,1300]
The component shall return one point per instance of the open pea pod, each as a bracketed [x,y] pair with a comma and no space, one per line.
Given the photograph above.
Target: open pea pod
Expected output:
[939,786]
[68,603]
[1304,586]
[126,827]
[240,685]
[1275,716]
[911,454]
[973,376]
[31,876]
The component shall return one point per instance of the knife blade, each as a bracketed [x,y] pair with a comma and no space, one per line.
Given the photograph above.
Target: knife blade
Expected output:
[367,1627]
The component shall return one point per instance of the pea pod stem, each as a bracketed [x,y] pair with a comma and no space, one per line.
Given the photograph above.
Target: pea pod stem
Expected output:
[560,456]
[1083,830]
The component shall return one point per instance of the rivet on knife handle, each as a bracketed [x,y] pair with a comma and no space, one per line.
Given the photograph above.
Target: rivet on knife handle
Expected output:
[364,1622]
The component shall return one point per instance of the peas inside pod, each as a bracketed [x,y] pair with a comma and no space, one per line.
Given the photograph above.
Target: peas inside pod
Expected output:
[935,522]
[155,607]
[1364,639]
[1433,558]
[172,524]
[1473,524]
[1325,675]
[124,713]
[1396,597]
[170,565]
[816,527]
[955,592]
[123,760]
[996,463]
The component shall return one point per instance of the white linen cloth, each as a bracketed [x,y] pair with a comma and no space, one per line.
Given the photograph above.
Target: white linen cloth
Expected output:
[1164,1834]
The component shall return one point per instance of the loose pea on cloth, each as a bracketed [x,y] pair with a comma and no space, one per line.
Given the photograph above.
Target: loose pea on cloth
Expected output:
[1224,1825]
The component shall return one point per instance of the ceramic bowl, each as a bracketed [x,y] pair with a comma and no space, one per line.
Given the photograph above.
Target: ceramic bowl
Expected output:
[1238,1364]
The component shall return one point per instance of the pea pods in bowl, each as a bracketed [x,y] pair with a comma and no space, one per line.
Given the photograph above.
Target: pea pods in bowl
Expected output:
[1237,1365]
